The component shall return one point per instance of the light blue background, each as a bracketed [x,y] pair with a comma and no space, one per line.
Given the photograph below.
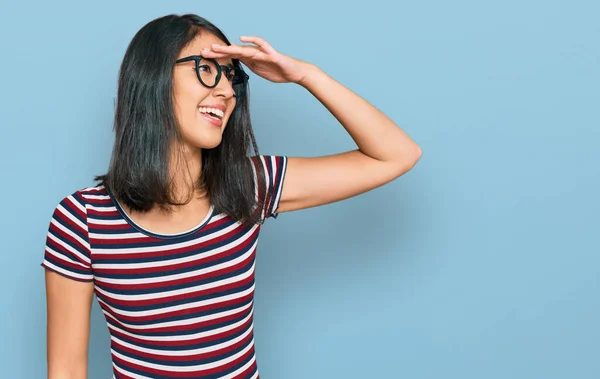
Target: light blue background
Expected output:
[482,262]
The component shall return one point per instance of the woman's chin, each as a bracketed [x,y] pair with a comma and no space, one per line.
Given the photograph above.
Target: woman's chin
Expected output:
[203,136]
[211,146]
[209,142]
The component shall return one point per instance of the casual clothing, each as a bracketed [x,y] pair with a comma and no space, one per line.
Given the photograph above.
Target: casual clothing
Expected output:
[177,305]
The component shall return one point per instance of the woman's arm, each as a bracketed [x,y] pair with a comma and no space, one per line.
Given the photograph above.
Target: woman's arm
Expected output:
[68,305]
[384,151]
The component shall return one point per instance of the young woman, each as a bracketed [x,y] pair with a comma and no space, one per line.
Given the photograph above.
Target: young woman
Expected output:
[167,238]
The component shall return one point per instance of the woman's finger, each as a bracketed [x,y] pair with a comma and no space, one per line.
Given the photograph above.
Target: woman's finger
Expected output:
[244,51]
[212,54]
[259,42]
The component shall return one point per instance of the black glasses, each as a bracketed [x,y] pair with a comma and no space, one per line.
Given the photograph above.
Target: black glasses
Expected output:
[209,73]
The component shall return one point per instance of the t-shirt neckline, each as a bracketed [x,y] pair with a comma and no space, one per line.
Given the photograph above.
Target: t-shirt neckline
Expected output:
[150,233]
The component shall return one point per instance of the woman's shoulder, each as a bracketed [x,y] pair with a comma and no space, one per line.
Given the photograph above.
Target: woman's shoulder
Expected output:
[83,196]
[269,163]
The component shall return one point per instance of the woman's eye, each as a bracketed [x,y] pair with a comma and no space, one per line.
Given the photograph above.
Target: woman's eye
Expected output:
[231,75]
[205,68]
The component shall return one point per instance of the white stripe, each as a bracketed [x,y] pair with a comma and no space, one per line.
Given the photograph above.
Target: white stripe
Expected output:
[186,337]
[256,197]
[128,373]
[169,247]
[70,216]
[190,321]
[255,176]
[122,221]
[267,184]
[68,273]
[202,287]
[229,376]
[264,162]
[117,236]
[76,203]
[217,217]
[97,221]
[92,188]
[90,196]
[242,369]
[103,209]
[183,353]
[183,275]
[164,263]
[206,366]
[65,258]
[70,232]
[180,307]
[68,247]
[280,183]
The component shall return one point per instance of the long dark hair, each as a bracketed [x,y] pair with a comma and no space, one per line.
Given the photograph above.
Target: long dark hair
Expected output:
[145,128]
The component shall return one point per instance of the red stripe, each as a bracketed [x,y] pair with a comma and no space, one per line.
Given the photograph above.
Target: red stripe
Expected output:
[197,341]
[191,295]
[227,351]
[240,301]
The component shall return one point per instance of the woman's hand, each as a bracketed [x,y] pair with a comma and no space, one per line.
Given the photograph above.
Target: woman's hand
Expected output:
[262,59]
[384,150]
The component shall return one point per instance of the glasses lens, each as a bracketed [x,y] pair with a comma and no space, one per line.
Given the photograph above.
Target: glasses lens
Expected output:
[238,82]
[207,71]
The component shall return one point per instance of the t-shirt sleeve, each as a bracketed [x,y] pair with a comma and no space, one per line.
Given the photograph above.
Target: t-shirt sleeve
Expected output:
[67,243]
[269,188]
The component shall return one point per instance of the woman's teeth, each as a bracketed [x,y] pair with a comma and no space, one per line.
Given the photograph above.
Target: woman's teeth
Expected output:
[213,112]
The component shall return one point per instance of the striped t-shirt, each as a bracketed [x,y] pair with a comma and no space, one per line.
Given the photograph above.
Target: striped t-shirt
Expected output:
[177,305]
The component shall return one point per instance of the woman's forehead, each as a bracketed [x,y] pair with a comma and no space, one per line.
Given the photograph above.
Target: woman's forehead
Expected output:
[203,40]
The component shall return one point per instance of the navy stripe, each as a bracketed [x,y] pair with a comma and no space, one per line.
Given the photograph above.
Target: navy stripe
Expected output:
[165,304]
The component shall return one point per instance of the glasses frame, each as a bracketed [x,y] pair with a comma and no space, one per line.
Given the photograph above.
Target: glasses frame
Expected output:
[240,76]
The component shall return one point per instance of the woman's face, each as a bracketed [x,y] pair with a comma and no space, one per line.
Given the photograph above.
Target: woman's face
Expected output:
[196,104]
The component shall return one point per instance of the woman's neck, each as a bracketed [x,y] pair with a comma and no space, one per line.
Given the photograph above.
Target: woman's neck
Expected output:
[185,172]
